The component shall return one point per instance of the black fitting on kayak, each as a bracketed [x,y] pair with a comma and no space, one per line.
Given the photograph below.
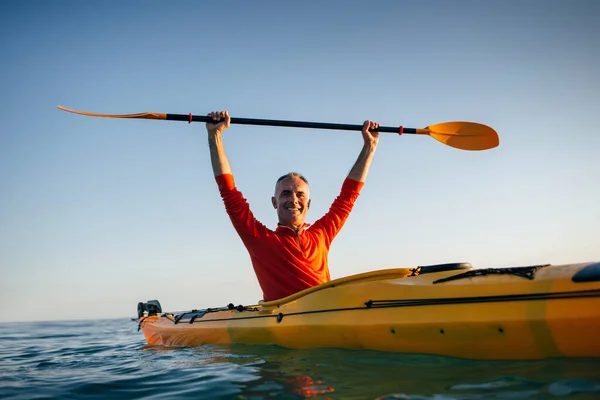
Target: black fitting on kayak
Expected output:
[240,307]
[428,269]
[152,307]
[279,317]
[591,273]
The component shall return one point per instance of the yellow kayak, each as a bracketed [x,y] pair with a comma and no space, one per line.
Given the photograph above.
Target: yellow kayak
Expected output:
[531,312]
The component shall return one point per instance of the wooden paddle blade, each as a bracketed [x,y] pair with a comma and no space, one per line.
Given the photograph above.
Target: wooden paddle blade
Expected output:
[465,135]
[146,115]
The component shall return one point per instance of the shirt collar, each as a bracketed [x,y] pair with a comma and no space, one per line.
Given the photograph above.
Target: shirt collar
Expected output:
[283,228]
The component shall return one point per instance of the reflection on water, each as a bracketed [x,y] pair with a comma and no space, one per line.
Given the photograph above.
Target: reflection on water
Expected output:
[334,373]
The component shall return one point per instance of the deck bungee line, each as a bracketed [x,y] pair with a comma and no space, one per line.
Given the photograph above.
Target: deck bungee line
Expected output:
[373,304]
[484,299]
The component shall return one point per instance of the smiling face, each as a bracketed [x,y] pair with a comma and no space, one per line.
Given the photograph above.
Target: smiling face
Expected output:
[291,200]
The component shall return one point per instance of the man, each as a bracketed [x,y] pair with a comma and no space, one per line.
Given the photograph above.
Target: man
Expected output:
[293,257]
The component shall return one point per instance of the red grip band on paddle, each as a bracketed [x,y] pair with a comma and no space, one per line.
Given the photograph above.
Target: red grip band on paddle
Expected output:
[190,120]
[400,130]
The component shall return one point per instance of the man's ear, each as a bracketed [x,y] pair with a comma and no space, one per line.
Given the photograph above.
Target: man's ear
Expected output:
[274,202]
[308,205]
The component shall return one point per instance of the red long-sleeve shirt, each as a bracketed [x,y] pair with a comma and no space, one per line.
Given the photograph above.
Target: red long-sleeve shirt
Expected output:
[286,262]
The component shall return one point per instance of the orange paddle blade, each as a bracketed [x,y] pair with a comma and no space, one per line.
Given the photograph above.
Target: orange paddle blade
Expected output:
[464,135]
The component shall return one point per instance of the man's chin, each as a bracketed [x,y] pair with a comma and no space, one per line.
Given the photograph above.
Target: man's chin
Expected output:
[292,222]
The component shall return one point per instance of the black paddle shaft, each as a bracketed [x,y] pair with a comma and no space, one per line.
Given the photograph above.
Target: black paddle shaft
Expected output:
[290,124]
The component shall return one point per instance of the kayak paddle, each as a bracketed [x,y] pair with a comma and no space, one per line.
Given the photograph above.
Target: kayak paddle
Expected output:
[460,135]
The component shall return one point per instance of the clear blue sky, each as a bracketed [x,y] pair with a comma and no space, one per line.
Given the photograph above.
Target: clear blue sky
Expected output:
[98,214]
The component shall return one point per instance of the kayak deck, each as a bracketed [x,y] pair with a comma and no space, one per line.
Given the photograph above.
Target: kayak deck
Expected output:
[506,313]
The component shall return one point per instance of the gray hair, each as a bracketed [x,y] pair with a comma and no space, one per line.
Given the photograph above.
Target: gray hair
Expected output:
[291,175]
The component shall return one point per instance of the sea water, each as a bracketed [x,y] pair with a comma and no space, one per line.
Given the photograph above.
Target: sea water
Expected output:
[109,359]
